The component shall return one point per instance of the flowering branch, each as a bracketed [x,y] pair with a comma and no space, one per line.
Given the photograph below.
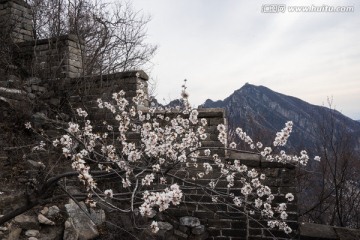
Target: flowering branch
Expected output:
[169,144]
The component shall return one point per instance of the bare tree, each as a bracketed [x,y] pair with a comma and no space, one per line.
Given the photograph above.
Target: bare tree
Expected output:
[336,181]
[114,35]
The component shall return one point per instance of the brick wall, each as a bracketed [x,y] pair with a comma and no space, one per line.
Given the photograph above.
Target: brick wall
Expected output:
[224,222]
[61,85]
[16,20]
[60,57]
[219,220]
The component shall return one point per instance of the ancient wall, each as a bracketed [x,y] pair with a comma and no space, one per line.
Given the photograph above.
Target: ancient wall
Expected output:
[16,20]
[59,57]
[221,221]
[216,220]
[60,86]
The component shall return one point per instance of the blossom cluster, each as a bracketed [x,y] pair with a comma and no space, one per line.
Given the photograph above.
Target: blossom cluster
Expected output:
[161,200]
[169,140]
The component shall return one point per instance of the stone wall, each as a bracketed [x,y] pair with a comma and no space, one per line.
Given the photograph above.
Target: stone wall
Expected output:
[224,222]
[60,86]
[16,20]
[60,57]
[216,220]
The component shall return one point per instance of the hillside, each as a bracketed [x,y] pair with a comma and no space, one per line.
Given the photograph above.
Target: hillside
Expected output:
[262,112]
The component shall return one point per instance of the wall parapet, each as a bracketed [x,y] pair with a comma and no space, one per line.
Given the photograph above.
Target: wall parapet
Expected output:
[16,20]
[52,58]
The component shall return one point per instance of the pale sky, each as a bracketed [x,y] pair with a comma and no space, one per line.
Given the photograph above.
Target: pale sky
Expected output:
[219,45]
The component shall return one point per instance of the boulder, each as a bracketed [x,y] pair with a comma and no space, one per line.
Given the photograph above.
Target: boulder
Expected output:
[70,232]
[27,222]
[51,232]
[53,211]
[165,226]
[44,220]
[98,216]
[14,234]
[32,233]
[189,221]
[198,230]
[3,229]
[80,222]
[44,211]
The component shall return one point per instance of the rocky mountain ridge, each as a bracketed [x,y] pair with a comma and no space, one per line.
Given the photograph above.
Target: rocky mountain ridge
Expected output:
[262,112]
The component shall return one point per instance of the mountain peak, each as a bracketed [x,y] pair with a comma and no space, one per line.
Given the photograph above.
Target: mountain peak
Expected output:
[258,109]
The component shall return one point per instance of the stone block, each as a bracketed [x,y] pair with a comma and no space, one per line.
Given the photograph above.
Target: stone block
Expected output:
[32,233]
[22,6]
[79,221]
[317,231]
[211,113]
[26,32]
[180,234]
[219,223]
[16,12]
[165,226]
[198,230]
[27,222]
[77,64]
[73,44]
[14,234]
[74,57]
[347,234]
[234,233]
[212,144]
[41,47]
[97,215]
[73,75]
[27,26]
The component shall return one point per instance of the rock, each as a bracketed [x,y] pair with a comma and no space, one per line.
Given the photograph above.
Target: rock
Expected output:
[53,211]
[44,211]
[42,89]
[64,117]
[51,232]
[14,234]
[33,80]
[28,89]
[70,232]
[152,214]
[97,215]
[3,229]
[55,101]
[203,236]
[165,226]
[198,230]
[32,238]
[44,220]
[85,227]
[180,234]
[71,189]
[35,87]
[39,118]
[317,231]
[189,221]
[184,229]
[27,222]
[37,165]
[31,96]
[32,233]
[14,79]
